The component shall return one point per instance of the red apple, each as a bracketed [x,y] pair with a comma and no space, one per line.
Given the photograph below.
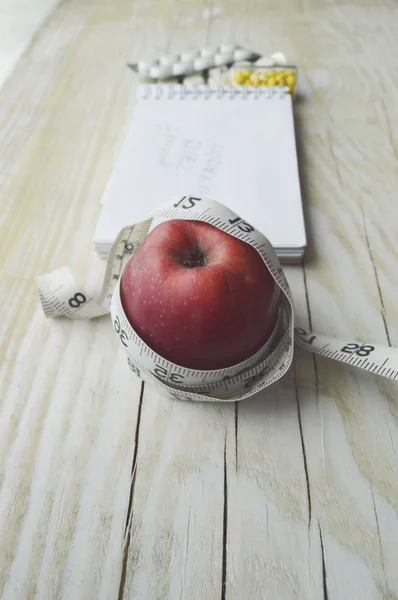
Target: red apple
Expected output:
[198,296]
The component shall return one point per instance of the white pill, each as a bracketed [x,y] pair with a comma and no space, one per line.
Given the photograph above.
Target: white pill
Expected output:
[182,68]
[143,69]
[224,58]
[279,58]
[242,54]
[207,53]
[159,72]
[227,48]
[217,77]
[194,80]
[188,55]
[200,64]
[265,61]
[167,60]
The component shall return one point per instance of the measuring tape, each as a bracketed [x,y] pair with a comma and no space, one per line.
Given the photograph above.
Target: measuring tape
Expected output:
[61,296]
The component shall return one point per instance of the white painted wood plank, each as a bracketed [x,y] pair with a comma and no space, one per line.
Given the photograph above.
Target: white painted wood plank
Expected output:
[348,418]
[178,501]
[68,403]
[272,550]
[178,494]
[19,21]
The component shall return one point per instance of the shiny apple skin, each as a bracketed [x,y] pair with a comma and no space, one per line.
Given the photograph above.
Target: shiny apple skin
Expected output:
[198,296]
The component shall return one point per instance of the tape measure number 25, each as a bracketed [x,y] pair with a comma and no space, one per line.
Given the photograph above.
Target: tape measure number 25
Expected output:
[61,296]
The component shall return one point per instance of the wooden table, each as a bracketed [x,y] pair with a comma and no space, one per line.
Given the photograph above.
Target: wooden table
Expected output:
[109,491]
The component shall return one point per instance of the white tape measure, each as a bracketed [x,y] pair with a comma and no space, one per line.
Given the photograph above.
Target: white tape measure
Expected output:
[61,297]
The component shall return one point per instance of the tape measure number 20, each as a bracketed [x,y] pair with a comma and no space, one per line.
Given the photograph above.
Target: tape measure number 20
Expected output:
[61,296]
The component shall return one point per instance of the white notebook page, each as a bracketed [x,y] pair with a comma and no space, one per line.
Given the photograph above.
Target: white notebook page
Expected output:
[238,150]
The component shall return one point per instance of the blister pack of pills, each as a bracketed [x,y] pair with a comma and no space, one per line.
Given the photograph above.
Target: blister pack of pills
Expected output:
[186,63]
[224,65]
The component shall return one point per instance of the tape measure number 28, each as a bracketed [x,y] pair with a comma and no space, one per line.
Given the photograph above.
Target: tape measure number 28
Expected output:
[61,296]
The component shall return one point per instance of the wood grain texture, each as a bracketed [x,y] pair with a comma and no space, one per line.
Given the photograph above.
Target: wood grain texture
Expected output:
[108,490]
[19,22]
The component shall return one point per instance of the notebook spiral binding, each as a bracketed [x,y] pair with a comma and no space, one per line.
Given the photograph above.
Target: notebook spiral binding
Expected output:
[156,91]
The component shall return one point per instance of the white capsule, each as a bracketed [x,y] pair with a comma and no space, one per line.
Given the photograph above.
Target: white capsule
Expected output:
[223,59]
[143,68]
[200,64]
[159,72]
[188,55]
[167,60]
[242,54]
[279,58]
[194,80]
[218,76]
[207,53]
[227,48]
[182,68]
[265,61]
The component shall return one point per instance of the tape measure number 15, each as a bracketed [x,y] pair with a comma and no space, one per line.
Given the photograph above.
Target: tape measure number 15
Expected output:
[61,296]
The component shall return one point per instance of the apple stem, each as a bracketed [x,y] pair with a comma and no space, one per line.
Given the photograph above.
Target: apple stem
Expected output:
[194,257]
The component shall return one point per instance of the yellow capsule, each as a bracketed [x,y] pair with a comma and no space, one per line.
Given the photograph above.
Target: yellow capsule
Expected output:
[290,82]
[254,79]
[271,81]
[240,77]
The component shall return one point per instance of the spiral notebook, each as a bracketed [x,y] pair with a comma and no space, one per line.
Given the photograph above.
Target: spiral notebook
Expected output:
[233,144]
